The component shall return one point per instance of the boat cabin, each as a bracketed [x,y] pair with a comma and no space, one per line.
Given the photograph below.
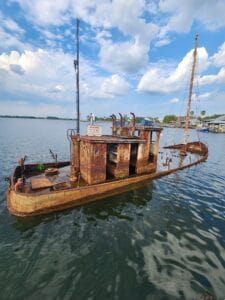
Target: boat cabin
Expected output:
[130,150]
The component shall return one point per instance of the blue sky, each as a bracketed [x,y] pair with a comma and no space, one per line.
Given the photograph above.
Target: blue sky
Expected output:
[135,56]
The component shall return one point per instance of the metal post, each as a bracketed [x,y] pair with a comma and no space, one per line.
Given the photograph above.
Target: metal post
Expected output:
[76,66]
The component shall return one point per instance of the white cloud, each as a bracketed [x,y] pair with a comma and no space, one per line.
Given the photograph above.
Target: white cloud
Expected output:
[16,69]
[11,25]
[164,80]
[162,42]
[125,15]
[174,100]
[128,16]
[44,12]
[34,76]
[51,36]
[211,79]
[25,108]
[131,54]
[56,89]
[125,31]
[11,41]
[112,87]
[212,102]
[152,8]
[183,13]
[218,59]
[205,96]
[10,34]
[41,75]
[127,57]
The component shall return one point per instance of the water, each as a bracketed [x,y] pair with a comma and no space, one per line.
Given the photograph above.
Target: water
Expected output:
[163,241]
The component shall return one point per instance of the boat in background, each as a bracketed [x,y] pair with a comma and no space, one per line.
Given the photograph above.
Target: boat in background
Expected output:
[100,165]
[203,129]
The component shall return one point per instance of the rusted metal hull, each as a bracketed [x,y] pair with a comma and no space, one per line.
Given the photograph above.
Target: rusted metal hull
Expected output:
[28,204]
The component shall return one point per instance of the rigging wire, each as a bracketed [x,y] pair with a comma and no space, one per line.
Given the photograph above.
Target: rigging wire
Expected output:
[197,100]
[183,94]
[183,103]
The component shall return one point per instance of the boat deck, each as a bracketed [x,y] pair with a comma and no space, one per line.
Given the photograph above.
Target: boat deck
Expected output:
[40,184]
[43,194]
[171,159]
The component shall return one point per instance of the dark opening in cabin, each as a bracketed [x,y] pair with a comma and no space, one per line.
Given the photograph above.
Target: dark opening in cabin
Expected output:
[153,137]
[111,160]
[133,159]
[151,149]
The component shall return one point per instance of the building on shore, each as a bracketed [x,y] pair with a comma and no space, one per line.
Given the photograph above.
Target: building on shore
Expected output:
[217,125]
[180,122]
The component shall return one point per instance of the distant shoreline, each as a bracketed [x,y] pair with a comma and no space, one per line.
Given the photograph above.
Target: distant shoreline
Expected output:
[32,117]
[48,118]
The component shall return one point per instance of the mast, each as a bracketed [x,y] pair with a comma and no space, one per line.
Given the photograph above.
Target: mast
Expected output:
[76,66]
[190,93]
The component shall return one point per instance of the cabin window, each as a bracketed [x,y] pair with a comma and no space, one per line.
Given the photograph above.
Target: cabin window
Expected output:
[137,132]
[152,137]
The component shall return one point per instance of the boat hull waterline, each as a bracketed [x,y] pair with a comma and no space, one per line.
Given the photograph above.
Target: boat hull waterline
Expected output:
[29,204]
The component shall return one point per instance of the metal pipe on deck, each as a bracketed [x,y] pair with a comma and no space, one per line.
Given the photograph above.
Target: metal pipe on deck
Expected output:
[121,120]
[113,124]
[133,122]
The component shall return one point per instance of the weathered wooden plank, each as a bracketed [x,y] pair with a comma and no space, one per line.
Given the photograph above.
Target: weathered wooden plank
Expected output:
[40,183]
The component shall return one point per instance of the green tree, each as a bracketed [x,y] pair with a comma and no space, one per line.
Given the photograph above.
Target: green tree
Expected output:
[203,112]
[192,113]
[169,118]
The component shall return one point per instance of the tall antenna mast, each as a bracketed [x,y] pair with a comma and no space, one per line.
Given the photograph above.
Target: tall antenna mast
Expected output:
[76,66]
[190,94]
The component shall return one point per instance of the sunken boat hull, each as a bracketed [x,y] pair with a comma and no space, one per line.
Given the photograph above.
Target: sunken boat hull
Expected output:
[100,165]
[42,202]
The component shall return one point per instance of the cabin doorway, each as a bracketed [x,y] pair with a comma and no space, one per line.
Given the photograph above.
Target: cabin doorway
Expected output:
[111,160]
[133,159]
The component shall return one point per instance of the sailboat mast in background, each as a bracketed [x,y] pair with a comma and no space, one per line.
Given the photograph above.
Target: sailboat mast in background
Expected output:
[190,94]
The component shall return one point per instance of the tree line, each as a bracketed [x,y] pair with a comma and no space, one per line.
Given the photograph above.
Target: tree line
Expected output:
[202,117]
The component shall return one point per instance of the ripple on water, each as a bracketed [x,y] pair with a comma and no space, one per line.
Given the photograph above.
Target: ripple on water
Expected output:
[164,240]
[185,269]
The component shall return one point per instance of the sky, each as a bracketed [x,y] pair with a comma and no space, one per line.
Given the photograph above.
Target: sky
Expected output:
[135,55]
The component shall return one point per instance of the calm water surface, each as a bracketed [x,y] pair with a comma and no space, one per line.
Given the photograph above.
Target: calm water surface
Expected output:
[164,240]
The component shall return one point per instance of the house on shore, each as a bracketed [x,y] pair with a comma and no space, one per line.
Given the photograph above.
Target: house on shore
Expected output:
[180,122]
[217,125]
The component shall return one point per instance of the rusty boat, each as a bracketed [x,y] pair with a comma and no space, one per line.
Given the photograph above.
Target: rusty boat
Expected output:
[100,165]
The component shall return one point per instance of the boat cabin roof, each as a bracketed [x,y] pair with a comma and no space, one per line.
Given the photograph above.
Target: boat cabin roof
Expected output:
[111,139]
[148,128]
